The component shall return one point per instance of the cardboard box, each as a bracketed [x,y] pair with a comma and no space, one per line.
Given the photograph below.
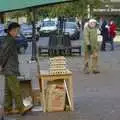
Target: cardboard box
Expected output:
[55,97]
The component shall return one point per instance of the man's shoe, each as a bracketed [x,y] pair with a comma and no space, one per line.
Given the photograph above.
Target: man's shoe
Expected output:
[12,112]
[96,71]
[15,111]
[86,71]
[26,109]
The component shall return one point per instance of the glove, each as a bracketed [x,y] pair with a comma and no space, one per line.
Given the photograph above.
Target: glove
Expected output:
[89,49]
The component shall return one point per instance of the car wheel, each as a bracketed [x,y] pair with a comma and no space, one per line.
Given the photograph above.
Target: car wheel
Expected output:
[22,50]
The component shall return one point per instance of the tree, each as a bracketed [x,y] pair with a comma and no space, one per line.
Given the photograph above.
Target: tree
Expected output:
[75,8]
[16,14]
[1,18]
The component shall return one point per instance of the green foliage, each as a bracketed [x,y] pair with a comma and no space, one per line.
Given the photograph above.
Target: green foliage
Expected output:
[75,8]
[17,13]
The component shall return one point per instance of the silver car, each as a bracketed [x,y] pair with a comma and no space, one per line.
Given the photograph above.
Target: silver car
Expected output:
[26,30]
[72,29]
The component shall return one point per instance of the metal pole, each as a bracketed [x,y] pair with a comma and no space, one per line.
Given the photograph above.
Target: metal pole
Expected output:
[88,9]
[33,36]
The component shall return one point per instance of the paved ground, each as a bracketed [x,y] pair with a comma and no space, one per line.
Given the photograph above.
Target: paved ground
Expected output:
[96,97]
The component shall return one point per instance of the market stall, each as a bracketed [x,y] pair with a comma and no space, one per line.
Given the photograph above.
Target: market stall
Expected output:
[57,88]
[12,5]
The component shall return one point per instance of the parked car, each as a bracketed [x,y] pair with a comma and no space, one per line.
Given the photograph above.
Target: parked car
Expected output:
[22,43]
[2,33]
[26,30]
[72,29]
[48,27]
[70,19]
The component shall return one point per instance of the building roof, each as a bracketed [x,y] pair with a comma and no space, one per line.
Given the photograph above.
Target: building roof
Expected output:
[9,5]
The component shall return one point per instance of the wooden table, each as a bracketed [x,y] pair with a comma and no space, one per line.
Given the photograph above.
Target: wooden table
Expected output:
[46,76]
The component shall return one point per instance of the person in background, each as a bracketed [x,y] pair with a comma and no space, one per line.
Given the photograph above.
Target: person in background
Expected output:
[9,66]
[112,33]
[91,47]
[105,35]
[101,22]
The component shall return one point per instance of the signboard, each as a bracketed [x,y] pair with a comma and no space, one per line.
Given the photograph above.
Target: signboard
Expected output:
[107,10]
[115,0]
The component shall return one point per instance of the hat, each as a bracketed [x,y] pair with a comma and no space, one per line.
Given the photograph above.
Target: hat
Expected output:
[92,20]
[11,26]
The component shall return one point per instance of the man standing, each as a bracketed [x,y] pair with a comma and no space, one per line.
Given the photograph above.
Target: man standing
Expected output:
[91,47]
[9,67]
[105,35]
[112,33]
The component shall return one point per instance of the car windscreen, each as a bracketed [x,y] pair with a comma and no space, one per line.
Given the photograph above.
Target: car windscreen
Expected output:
[26,27]
[1,28]
[48,23]
[2,32]
[70,26]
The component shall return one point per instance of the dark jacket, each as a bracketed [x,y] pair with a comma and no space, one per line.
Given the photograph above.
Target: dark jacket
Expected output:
[104,31]
[9,57]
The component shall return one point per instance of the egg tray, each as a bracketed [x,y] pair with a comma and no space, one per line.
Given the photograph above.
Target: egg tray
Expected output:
[58,58]
[56,72]
[57,66]
[58,69]
[57,62]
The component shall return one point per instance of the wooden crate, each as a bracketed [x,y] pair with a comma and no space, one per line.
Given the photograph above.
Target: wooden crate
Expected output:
[36,95]
[55,97]
[26,88]
[46,77]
